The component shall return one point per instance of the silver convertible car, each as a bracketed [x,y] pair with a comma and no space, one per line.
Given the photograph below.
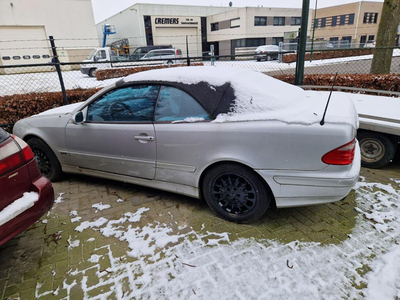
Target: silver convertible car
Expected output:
[240,139]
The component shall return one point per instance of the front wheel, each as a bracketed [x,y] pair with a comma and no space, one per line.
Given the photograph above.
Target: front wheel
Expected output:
[46,159]
[377,150]
[235,193]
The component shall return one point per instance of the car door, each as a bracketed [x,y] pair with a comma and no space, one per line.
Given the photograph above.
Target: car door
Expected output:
[182,129]
[117,135]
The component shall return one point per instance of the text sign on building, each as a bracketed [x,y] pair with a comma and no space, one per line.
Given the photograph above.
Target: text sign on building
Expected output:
[176,21]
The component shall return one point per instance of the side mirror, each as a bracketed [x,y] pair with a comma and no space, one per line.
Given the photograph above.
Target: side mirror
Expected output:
[78,118]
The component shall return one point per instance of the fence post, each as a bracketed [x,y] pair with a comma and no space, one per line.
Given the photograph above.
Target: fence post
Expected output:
[187,51]
[56,63]
[302,44]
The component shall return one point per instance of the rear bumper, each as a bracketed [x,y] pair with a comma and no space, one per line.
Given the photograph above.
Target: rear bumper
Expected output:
[295,188]
[44,188]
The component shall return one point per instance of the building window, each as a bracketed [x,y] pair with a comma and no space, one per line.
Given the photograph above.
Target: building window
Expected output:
[342,20]
[26,57]
[260,21]
[295,21]
[6,58]
[279,21]
[214,26]
[334,21]
[16,57]
[351,19]
[235,23]
[45,56]
[277,40]
[251,42]
[370,18]
[36,56]
[316,23]
[148,30]
[371,37]
[323,22]
[346,42]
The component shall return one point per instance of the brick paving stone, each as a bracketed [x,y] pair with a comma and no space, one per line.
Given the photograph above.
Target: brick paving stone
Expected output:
[41,261]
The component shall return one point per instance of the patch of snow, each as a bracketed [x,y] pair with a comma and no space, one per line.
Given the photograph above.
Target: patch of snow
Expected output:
[18,207]
[100,206]
[76,219]
[85,225]
[72,244]
[120,200]
[59,198]
[384,280]
[95,258]
[73,213]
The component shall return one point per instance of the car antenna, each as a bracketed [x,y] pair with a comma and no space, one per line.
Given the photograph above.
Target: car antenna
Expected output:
[327,103]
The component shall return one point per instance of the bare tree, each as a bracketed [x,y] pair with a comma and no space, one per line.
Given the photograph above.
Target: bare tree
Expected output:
[386,37]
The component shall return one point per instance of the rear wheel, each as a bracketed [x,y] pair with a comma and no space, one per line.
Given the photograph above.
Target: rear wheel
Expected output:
[92,72]
[377,150]
[235,193]
[46,159]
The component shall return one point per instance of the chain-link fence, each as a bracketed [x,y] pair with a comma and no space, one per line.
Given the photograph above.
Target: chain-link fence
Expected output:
[321,58]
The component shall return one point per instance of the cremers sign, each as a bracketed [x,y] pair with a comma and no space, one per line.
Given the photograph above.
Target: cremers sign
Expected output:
[175,21]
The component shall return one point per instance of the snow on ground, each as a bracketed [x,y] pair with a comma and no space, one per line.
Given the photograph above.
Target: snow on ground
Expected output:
[191,265]
[49,82]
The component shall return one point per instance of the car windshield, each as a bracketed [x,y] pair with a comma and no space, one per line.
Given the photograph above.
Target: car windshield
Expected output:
[90,56]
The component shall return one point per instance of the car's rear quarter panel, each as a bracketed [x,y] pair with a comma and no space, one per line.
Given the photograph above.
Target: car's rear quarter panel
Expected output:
[261,145]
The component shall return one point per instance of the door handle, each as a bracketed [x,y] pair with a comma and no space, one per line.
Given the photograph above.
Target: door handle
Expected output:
[144,138]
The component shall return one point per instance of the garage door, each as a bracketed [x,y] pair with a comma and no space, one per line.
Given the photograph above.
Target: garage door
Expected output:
[176,36]
[23,45]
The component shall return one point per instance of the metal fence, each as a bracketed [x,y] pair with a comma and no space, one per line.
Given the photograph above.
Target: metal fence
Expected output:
[37,78]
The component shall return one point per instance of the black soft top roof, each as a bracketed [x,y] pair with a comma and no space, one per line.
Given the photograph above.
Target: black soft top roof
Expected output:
[214,99]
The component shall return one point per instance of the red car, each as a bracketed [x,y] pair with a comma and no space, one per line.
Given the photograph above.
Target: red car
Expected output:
[25,195]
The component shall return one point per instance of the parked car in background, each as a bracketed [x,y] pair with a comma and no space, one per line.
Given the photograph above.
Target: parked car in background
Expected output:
[25,195]
[240,139]
[168,56]
[370,44]
[267,52]
[142,51]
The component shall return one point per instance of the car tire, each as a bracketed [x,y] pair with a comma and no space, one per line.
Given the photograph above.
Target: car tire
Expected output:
[258,59]
[47,161]
[92,72]
[377,150]
[235,193]
[169,63]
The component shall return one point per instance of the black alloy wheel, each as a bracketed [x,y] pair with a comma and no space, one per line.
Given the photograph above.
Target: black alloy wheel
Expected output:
[236,193]
[48,163]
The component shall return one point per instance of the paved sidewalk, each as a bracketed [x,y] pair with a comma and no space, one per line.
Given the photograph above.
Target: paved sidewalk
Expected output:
[85,247]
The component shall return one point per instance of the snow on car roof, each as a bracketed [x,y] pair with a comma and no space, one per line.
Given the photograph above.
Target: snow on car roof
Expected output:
[258,96]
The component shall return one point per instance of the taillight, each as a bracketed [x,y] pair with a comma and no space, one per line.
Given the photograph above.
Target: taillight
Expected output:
[342,155]
[14,154]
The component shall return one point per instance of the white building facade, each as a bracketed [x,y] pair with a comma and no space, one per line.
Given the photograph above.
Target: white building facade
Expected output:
[25,27]
[202,26]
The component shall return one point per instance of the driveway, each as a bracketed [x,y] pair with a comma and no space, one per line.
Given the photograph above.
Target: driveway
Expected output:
[110,240]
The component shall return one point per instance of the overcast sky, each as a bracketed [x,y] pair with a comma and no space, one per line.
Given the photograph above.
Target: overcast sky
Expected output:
[106,8]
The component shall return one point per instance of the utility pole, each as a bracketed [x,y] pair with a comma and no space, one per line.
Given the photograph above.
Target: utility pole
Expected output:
[301,53]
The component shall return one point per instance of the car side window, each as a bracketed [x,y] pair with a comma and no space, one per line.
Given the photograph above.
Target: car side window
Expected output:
[128,104]
[176,105]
